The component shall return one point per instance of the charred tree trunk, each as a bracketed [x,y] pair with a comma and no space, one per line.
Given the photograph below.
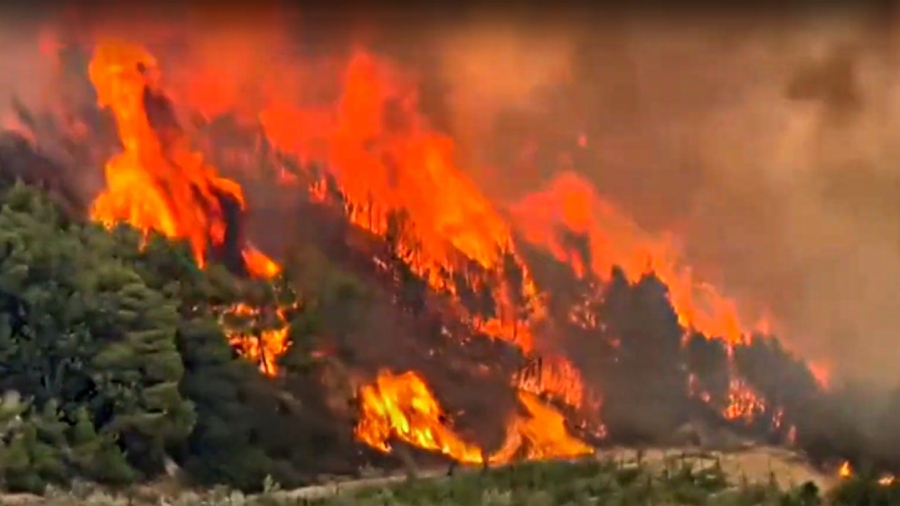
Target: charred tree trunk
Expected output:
[229,253]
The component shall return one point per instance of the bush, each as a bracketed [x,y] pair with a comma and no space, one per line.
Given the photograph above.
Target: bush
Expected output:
[37,448]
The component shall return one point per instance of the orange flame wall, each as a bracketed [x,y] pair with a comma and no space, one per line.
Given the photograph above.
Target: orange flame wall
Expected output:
[570,202]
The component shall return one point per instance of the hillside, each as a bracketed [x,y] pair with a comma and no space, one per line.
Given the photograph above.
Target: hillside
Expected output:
[290,300]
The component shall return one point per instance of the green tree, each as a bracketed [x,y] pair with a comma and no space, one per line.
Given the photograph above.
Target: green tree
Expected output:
[222,447]
[39,447]
[30,450]
[79,326]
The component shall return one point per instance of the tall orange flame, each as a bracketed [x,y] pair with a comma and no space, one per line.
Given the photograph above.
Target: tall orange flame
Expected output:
[384,156]
[157,183]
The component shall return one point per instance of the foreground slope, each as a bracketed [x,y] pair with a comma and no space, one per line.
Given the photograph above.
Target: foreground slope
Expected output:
[623,479]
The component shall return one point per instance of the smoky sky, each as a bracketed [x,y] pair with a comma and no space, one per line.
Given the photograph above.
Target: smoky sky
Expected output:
[766,143]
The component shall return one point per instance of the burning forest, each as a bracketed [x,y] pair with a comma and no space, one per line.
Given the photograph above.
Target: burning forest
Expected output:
[379,301]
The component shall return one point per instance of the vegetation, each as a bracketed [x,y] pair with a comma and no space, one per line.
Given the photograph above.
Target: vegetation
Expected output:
[113,358]
[589,482]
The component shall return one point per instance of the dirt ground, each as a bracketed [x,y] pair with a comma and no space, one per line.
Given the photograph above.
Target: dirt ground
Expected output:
[756,464]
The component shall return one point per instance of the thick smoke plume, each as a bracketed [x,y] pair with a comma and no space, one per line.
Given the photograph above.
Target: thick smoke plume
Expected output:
[764,145]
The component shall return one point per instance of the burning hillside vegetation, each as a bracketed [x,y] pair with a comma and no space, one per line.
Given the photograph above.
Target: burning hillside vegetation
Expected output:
[490,333]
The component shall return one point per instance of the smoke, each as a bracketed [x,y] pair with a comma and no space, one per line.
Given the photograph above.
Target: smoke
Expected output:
[773,159]
[28,70]
[491,69]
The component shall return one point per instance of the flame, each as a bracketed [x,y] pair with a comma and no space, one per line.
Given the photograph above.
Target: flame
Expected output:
[157,183]
[570,202]
[395,164]
[543,434]
[403,407]
[846,471]
[385,156]
[558,377]
[259,264]
[262,347]
[821,373]
[743,403]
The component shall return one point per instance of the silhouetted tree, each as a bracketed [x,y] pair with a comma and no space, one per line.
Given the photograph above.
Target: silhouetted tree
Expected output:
[708,360]
[644,390]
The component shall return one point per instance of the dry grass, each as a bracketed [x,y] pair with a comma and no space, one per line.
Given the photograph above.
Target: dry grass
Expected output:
[622,477]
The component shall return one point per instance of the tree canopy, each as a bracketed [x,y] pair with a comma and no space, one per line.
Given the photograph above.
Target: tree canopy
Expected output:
[113,358]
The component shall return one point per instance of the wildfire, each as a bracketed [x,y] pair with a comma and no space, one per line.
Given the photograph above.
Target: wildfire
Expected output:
[570,202]
[403,407]
[384,157]
[157,182]
[846,471]
[262,347]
